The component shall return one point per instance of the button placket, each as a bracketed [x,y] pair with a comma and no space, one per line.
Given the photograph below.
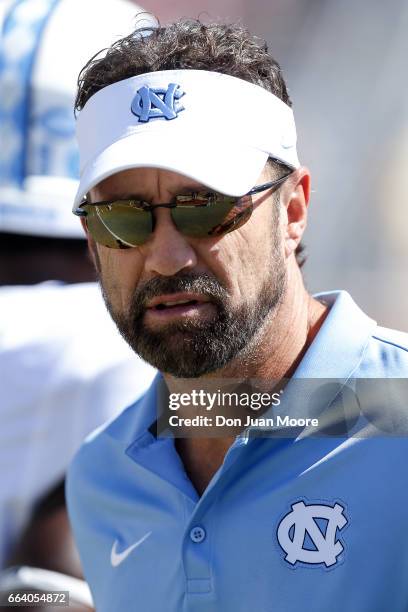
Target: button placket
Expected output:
[197,546]
[196,557]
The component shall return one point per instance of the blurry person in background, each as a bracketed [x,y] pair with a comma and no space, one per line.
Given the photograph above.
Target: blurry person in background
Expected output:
[57,382]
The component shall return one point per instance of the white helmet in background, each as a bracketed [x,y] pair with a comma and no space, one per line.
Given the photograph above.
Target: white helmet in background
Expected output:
[43,46]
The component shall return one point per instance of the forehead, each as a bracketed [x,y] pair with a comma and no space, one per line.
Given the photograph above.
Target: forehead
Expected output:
[144,182]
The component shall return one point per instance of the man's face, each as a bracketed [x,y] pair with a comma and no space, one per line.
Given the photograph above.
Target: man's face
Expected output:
[189,306]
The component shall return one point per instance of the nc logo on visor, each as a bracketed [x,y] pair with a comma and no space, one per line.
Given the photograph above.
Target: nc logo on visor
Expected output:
[153,102]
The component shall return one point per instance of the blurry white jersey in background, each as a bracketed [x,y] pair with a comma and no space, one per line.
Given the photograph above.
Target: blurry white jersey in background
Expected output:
[64,370]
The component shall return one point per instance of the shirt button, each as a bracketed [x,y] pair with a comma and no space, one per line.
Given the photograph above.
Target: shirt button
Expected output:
[197,534]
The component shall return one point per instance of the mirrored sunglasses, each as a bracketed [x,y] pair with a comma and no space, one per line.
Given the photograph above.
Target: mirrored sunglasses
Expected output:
[121,224]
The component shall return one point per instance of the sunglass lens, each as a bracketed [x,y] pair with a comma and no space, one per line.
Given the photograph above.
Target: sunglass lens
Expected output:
[119,225]
[198,221]
[237,217]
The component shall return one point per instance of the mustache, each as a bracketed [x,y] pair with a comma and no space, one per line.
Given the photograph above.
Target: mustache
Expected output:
[186,282]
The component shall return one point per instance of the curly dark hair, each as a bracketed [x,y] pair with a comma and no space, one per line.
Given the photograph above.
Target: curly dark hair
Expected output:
[186,44]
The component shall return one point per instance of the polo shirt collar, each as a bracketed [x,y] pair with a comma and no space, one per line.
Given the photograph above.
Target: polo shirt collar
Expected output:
[339,346]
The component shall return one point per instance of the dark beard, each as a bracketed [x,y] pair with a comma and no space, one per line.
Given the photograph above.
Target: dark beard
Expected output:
[188,349]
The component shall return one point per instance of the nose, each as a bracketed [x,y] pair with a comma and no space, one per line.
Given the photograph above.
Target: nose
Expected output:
[167,251]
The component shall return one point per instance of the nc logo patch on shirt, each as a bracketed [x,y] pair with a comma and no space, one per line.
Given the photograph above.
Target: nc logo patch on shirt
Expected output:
[153,102]
[309,534]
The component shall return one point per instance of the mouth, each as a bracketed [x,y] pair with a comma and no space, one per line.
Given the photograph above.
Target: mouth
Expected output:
[186,306]
[164,305]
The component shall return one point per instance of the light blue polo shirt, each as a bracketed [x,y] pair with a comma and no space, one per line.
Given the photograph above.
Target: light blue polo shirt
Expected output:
[286,524]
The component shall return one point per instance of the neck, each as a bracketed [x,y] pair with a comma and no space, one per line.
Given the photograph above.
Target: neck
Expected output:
[273,355]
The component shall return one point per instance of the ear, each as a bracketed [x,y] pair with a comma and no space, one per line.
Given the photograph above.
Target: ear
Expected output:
[296,201]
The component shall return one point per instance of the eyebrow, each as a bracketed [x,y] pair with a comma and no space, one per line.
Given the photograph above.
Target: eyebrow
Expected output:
[182,191]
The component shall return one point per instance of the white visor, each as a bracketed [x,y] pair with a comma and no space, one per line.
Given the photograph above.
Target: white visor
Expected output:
[213,128]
